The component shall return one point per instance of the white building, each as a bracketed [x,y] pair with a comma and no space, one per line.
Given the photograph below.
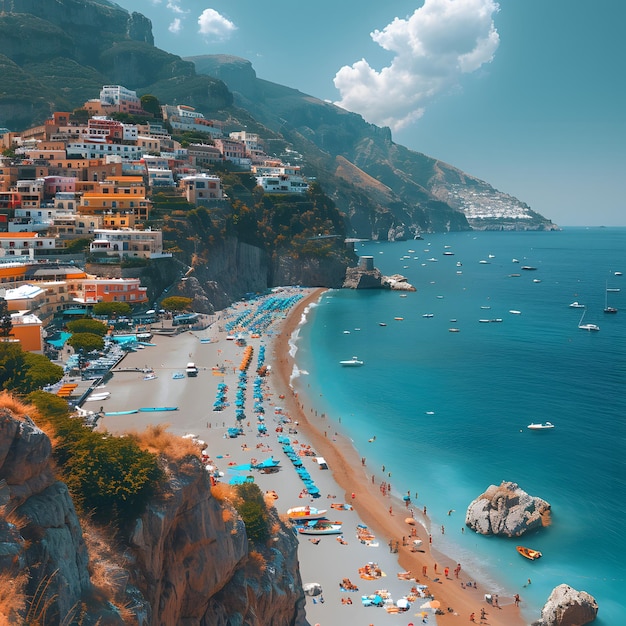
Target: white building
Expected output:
[128,243]
[282,183]
[84,150]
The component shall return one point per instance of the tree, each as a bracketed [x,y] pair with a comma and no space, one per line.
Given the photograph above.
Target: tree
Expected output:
[40,371]
[151,104]
[12,366]
[6,325]
[78,245]
[86,325]
[88,342]
[112,309]
[176,303]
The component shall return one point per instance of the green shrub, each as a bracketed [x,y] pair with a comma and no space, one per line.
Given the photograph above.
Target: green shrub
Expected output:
[251,507]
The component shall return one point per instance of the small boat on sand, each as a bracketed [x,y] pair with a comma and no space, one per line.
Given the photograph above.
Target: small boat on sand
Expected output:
[305,513]
[544,426]
[98,397]
[320,527]
[529,553]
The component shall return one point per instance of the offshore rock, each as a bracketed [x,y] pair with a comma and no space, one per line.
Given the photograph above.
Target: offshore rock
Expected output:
[359,278]
[568,607]
[507,510]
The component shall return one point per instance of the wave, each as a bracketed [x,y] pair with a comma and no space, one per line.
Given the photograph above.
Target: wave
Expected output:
[296,373]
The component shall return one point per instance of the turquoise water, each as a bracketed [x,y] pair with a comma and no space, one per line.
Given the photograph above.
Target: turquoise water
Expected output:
[449,410]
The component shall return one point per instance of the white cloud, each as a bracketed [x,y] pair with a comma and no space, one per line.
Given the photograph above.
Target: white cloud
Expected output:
[175,8]
[175,27]
[433,47]
[215,26]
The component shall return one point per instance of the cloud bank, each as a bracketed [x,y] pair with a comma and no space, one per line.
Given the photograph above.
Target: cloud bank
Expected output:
[215,26]
[433,48]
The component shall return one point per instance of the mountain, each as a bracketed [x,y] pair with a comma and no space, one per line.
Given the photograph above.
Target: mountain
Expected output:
[385,190]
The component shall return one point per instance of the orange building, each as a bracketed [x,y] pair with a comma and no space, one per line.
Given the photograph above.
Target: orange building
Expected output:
[94,290]
[28,330]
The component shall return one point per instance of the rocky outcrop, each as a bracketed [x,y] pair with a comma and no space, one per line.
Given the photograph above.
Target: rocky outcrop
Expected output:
[186,560]
[40,533]
[359,278]
[191,560]
[568,607]
[507,510]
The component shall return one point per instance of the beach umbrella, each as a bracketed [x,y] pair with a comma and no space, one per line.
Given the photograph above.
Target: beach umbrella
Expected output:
[312,589]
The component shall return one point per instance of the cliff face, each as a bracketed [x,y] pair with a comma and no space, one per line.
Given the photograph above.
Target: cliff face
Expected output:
[40,533]
[186,560]
[190,558]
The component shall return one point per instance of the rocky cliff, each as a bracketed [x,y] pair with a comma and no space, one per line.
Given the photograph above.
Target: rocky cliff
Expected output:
[568,607]
[185,561]
[507,510]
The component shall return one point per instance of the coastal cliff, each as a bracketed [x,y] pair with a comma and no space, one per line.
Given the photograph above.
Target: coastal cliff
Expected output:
[186,559]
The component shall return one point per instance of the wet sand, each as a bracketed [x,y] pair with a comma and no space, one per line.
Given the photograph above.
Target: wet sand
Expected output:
[330,560]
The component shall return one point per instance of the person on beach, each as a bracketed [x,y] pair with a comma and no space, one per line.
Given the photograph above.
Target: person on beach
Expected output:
[516,598]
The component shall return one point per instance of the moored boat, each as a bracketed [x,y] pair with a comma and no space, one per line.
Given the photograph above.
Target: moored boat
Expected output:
[153,409]
[529,553]
[305,513]
[353,362]
[544,426]
[320,527]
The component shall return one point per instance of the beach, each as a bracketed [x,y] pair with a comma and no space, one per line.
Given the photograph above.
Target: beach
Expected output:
[391,525]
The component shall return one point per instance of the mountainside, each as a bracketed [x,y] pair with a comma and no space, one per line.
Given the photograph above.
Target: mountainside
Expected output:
[362,169]
[54,55]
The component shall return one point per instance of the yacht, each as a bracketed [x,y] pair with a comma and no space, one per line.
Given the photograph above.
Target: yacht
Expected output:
[353,362]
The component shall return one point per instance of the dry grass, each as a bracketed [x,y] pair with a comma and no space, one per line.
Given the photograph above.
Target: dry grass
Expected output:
[12,599]
[156,439]
[228,516]
[16,406]
[224,492]
[256,564]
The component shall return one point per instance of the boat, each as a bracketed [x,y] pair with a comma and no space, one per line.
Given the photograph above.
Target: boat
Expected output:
[178,375]
[382,324]
[618,274]
[353,362]
[428,315]
[191,370]
[131,412]
[153,409]
[305,513]
[320,527]
[528,268]
[589,327]
[607,308]
[151,376]
[576,305]
[98,397]
[529,553]
[514,312]
[544,426]
[454,330]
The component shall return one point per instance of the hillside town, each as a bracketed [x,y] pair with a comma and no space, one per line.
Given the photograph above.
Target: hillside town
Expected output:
[92,177]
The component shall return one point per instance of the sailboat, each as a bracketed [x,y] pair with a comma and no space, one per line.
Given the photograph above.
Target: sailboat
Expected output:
[607,308]
[589,327]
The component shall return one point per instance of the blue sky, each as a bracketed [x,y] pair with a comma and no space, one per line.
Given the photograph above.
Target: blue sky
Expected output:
[528,95]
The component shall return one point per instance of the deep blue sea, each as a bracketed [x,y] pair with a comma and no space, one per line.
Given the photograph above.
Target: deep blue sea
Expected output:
[449,410]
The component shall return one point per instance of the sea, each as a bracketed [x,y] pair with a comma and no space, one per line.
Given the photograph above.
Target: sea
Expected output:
[446,413]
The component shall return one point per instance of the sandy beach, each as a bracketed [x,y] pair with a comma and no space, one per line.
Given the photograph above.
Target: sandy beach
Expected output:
[413,572]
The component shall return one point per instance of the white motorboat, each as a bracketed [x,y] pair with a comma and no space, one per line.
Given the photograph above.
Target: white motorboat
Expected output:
[353,362]
[544,426]
[576,305]
[305,513]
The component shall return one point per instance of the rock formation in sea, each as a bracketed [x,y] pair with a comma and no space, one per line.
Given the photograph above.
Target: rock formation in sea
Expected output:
[507,510]
[366,276]
[568,607]
[186,560]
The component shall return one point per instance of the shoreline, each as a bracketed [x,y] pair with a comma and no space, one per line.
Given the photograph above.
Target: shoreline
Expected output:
[327,561]
[353,477]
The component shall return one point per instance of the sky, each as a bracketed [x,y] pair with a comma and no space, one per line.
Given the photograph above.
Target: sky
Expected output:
[527,95]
